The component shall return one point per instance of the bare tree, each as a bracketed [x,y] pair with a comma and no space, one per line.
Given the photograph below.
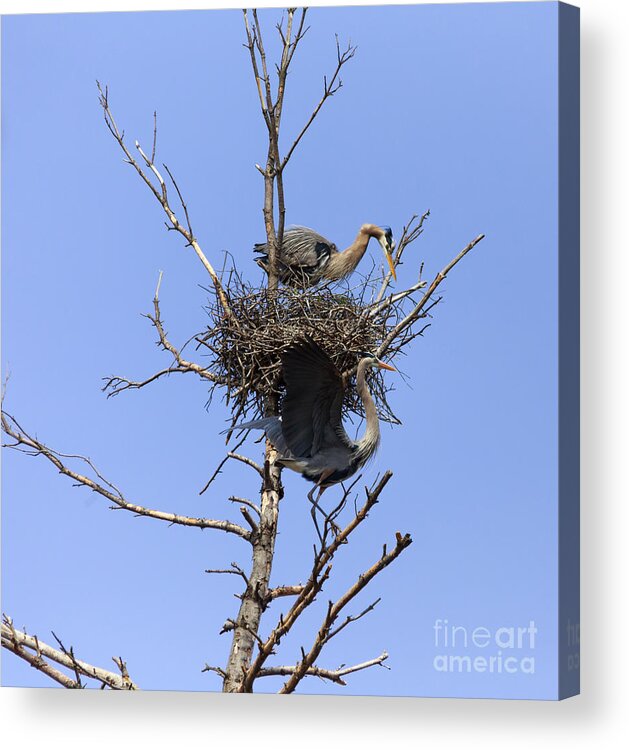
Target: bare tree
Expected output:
[247,332]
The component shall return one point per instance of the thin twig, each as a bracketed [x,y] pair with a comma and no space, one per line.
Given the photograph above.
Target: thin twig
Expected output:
[234,570]
[218,469]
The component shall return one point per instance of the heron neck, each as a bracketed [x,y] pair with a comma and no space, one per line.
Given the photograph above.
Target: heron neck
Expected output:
[369,441]
[343,263]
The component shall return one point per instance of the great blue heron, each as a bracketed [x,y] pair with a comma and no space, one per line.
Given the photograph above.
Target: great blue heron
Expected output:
[309,435]
[307,257]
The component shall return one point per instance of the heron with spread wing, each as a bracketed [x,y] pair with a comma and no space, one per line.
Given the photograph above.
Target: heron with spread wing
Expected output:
[309,435]
[307,258]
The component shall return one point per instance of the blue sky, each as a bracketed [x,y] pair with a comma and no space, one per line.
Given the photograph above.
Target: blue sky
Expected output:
[451,108]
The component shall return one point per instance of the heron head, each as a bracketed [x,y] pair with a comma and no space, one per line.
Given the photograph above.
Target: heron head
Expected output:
[388,233]
[386,242]
[374,361]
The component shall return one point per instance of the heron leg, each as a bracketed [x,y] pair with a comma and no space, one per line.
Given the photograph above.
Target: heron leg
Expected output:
[335,528]
[316,506]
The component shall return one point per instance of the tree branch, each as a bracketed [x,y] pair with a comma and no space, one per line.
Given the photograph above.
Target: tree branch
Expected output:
[26,443]
[416,312]
[376,308]
[234,570]
[334,609]
[247,461]
[116,384]
[251,46]
[249,519]
[270,110]
[36,653]
[278,591]
[334,675]
[162,194]
[410,233]
[329,89]
[183,364]
[353,618]
[244,501]
[209,668]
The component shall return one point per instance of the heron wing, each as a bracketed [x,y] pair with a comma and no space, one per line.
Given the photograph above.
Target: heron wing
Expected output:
[311,412]
[302,248]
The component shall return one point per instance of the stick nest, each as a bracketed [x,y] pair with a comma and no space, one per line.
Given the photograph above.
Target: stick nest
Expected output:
[245,349]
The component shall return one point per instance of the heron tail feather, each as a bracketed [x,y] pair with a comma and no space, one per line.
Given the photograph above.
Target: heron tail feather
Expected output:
[272,426]
[263,262]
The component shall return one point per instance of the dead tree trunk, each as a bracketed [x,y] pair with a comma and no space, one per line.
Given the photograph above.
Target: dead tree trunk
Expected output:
[256,595]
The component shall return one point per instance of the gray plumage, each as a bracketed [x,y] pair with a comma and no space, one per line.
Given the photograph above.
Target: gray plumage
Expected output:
[307,257]
[305,253]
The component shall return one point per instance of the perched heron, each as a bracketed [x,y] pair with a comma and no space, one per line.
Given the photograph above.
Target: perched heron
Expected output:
[307,257]
[309,435]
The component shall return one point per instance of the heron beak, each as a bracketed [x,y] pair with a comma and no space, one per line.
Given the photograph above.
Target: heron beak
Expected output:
[385,366]
[387,254]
